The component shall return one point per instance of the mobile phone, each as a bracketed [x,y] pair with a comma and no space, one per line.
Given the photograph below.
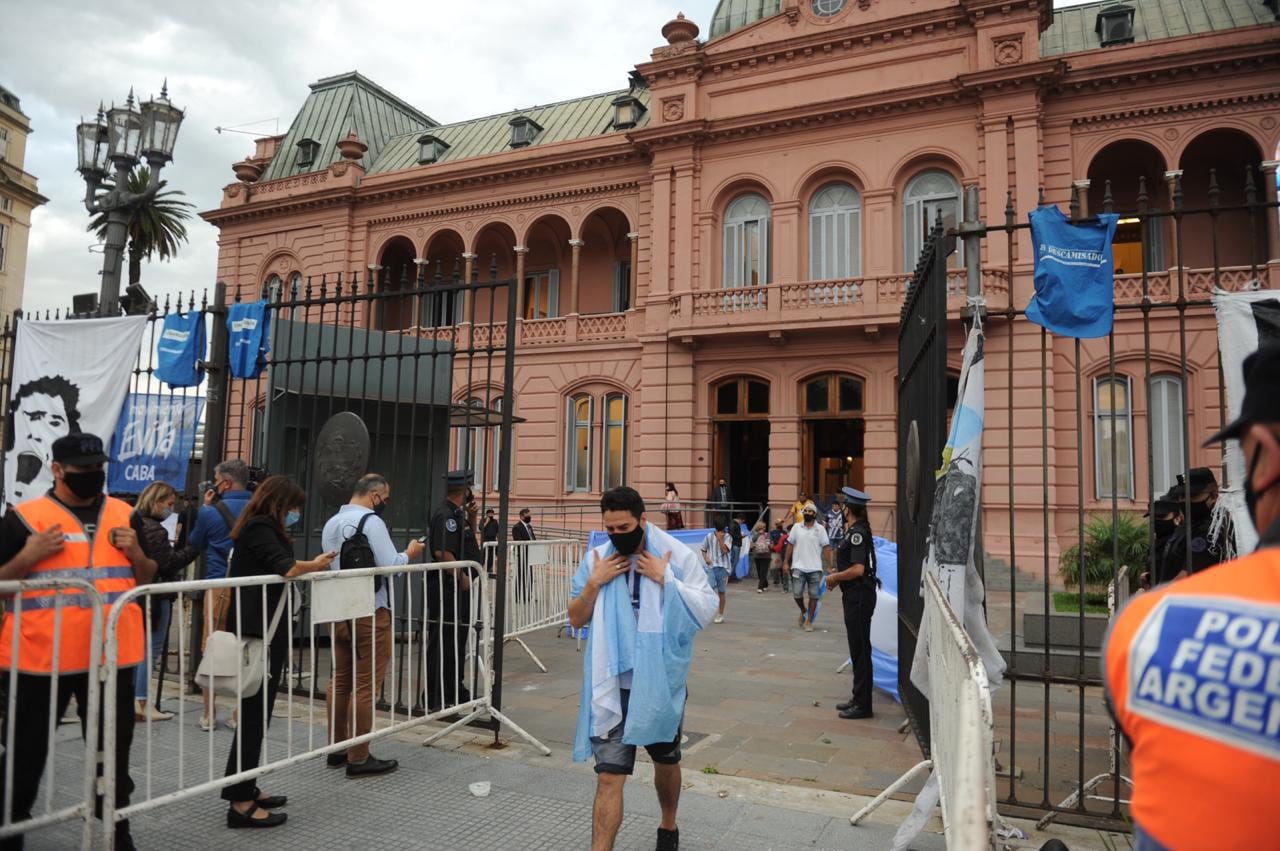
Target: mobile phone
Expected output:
[423,540]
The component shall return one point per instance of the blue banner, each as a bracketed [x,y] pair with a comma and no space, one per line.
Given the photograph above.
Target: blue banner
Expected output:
[154,440]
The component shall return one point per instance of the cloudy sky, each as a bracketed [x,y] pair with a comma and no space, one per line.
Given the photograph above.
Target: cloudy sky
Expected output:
[233,62]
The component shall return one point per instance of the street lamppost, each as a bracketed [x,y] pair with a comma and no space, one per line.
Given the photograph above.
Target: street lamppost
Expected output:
[114,142]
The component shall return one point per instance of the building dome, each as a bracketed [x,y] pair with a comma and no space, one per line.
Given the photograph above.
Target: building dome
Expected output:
[733,15]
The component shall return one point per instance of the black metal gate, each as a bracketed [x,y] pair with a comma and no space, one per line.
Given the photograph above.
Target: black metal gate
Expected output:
[922,433]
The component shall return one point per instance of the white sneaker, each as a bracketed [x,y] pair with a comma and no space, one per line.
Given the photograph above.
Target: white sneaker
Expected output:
[208,724]
[808,627]
[232,723]
[718,619]
[759,590]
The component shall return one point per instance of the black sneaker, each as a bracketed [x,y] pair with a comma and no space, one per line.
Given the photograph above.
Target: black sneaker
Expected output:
[668,840]
[857,712]
[848,704]
[371,766]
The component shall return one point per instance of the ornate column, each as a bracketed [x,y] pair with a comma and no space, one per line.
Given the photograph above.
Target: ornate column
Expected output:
[521,251]
[1082,191]
[421,275]
[469,296]
[1268,170]
[1171,179]
[576,246]
[632,294]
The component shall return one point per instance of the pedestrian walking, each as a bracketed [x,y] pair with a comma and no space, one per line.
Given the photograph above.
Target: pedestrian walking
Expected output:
[671,507]
[808,554]
[735,547]
[761,555]
[716,551]
[778,537]
[73,530]
[1190,668]
[645,596]
[154,507]
[262,548]
[362,647]
[855,573]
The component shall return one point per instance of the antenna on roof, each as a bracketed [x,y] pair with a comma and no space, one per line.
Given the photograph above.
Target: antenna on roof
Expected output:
[234,128]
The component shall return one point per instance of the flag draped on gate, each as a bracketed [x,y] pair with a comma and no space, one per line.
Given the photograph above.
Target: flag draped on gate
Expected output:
[68,377]
[1245,321]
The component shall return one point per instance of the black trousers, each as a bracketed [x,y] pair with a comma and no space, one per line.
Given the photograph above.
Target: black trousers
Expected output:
[246,745]
[762,570]
[859,605]
[31,745]
[448,619]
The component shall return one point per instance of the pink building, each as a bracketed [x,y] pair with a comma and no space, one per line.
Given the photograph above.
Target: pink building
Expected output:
[712,260]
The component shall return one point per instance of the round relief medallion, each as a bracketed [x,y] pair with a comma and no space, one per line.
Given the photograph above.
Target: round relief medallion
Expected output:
[520,218]
[1268,123]
[1171,134]
[421,232]
[577,210]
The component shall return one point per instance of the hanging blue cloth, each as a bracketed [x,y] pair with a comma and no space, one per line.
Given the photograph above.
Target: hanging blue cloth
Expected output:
[1075,291]
[181,348]
[249,327]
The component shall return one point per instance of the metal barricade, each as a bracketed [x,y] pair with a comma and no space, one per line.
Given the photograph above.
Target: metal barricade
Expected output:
[538,585]
[51,803]
[961,729]
[361,608]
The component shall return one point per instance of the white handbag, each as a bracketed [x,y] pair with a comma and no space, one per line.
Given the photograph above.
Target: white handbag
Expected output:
[232,666]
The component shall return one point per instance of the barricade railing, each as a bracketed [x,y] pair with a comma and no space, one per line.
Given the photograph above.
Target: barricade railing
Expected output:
[962,729]
[539,577]
[361,608]
[42,800]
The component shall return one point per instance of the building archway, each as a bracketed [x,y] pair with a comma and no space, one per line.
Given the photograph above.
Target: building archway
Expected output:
[832,450]
[1241,236]
[740,408]
[605,276]
[495,254]
[545,285]
[444,264]
[1126,164]
[398,274]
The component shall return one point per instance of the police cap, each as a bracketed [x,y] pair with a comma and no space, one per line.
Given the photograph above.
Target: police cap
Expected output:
[79,450]
[1201,479]
[1261,402]
[1168,502]
[457,478]
[852,496]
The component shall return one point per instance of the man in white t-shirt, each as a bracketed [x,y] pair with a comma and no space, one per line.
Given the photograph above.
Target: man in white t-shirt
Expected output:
[808,553]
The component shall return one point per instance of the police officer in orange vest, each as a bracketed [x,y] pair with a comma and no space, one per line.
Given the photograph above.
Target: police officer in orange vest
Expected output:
[74,531]
[1193,669]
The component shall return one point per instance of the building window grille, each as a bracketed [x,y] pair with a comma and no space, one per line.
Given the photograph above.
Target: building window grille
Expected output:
[523,131]
[1164,404]
[615,440]
[827,8]
[1113,432]
[308,150]
[577,474]
[1114,25]
[627,111]
[835,233]
[430,149]
[929,195]
[746,242]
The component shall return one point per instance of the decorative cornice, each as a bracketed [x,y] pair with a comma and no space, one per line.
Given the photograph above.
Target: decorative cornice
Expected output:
[538,198]
[1239,103]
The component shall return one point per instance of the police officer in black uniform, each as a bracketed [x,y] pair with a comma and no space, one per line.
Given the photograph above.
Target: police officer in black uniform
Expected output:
[1166,515]
[856,575]
[449,595]
[1206,550]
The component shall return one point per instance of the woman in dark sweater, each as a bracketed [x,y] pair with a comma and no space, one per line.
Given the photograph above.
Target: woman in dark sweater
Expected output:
[154,507]
[262,548]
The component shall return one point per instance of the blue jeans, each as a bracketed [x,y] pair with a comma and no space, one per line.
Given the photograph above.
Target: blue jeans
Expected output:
[718,579]
[160,610]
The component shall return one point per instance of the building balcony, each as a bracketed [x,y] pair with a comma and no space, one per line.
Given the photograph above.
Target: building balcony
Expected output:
[538,333]
[869,301]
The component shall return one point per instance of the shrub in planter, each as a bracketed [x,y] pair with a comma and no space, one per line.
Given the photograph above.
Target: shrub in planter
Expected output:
[1107,546]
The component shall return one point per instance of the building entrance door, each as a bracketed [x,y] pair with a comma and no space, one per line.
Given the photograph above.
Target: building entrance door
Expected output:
[833,455]
[742,457]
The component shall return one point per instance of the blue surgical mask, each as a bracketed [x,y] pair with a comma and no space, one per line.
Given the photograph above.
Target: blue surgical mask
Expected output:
[292,518]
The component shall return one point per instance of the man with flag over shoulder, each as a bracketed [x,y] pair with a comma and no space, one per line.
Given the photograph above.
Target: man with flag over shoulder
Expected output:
[1193,669]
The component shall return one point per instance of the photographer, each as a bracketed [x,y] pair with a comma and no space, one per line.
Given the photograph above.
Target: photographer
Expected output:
[224,498]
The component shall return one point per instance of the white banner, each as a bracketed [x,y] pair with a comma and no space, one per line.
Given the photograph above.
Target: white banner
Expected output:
[1245,320]
[68,377]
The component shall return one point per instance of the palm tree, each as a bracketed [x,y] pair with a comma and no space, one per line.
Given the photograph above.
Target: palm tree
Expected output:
[155,225]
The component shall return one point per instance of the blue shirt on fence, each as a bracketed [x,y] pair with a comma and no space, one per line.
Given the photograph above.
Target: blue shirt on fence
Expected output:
[249,329]
[1074,283]
[181,348]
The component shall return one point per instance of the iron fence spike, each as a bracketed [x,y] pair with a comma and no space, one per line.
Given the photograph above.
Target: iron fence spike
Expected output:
[1108,202]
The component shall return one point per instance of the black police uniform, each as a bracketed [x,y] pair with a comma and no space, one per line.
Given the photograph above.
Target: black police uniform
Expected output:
[447,634]
[1205,553]
[859,599]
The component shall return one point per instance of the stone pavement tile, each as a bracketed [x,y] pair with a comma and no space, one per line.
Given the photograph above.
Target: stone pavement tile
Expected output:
[791,750]
[840,834]
[795,827]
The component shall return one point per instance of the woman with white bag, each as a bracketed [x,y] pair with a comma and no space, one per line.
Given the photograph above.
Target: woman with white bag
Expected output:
[262,548]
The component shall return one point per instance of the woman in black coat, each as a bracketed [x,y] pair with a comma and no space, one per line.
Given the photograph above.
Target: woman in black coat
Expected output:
[154,507]
[262,548]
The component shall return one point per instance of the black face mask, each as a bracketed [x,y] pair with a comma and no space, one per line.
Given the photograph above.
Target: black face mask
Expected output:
[1200,511]
[626,543]
[1252,495]
[1163,528]
[85,485]
[380,508]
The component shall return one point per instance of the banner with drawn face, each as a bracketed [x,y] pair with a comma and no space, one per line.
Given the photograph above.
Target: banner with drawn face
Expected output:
[69,377]
[154,441]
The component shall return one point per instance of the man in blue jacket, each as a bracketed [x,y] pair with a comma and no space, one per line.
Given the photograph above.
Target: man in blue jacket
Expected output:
[212,535]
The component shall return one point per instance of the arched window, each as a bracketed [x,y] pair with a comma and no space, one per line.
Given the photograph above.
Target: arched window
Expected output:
[746,242]
[741,397]
[577,468]
[1113,437]
[1164,402]
[835,249]
[831,395]
[275,288]
[615,440]
[929,195]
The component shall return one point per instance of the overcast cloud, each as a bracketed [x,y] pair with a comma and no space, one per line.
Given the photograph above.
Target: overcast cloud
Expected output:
[229,62]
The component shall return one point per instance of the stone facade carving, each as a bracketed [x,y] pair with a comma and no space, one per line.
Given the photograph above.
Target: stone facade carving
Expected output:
[673,108]
[1007,49]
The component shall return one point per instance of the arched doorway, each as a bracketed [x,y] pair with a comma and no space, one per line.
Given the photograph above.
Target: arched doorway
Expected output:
[1122,168]
[543,296]
[398,273]
[444,265]
[831,407]
[605,275]
[740,408]
[1241,236]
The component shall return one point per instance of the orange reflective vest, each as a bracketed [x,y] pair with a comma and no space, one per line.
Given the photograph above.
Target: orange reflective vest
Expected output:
[1193,676]
[82,557]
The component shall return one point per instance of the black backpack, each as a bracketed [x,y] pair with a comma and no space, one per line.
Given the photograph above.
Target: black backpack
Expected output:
[357,552]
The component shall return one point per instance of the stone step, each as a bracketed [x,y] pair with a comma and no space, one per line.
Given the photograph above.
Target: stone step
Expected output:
[1029,664]
[1063,630]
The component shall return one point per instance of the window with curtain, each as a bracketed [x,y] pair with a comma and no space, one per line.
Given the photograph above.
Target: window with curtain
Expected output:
[275,288]
[1113,437]
[1164,402]
[577,474]
[928,195]
[746,242]
[542,294]
[835,233]
[615,440]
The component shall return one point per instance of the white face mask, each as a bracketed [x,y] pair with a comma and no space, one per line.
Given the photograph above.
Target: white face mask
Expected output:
[164,514]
